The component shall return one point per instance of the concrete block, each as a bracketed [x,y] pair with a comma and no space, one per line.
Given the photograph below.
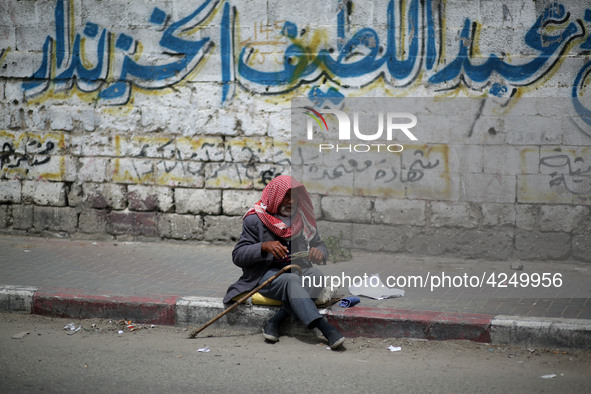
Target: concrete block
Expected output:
[149,198]
[16,298]
[94,169]
[488,188]
[10,191]
[435,186]
[563,218]
[60,118]
[279,128]
[222,228]
[434,242]
[162,146]
[132,223]
[567,161]
[44,193]
[55,219]
[454,214]
[131,170]
[249,150]
[196,311]
[399,212]
[252,124]
[93,221]
[105,195]
[316,204]
[486,244]
[74,194]
[380,237]
[339,231]
[54,168]
[212,121]
[230,175]
[581,247]
[541,332]
[180,226]
[511,160]
[178,173]
[347,209]
[198,201]
[526,216]
[116,122]
[549,189]
[534,130]
[237,202]
[281,151]
[95,144]
[22,217]
[490,244]
[498,214]
[542,246]
[5,216]
[466,158]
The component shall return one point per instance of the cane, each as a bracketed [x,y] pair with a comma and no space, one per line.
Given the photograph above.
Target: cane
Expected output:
[240,301]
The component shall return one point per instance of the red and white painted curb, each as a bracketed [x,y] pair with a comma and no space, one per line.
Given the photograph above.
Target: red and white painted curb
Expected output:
[352,322]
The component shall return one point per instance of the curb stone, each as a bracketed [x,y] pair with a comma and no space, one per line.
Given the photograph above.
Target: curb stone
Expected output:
[353,322]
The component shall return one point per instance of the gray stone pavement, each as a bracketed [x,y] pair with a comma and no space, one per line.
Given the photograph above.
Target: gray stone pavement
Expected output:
[195,269]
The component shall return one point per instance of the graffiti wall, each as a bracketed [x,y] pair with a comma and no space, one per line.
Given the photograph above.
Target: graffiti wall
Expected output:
[165,119]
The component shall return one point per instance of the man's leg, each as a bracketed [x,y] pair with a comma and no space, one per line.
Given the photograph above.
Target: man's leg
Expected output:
[312,281]
[297,302]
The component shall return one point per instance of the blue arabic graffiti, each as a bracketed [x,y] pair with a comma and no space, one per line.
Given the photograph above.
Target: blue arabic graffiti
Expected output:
[408,50]
[188,53]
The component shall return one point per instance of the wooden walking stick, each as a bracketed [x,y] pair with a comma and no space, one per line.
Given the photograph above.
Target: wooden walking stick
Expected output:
[240,301]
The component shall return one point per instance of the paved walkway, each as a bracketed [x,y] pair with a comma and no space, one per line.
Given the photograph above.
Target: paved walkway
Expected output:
[193,269]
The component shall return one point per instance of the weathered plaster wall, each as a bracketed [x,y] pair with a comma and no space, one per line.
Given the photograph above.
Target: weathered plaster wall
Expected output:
[165,118]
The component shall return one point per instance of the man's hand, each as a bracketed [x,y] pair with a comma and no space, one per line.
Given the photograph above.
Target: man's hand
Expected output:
[278,250]
[315,256]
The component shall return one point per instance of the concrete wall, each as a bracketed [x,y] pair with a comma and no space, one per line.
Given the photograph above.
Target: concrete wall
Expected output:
[165,119]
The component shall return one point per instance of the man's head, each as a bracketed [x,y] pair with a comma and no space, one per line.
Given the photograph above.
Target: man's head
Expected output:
[287,197]
[279,195]
[288,205]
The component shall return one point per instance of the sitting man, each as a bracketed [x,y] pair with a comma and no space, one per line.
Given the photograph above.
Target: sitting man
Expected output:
[280,224]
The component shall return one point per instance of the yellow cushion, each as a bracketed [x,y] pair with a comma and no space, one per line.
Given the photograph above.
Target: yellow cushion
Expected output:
[259,299]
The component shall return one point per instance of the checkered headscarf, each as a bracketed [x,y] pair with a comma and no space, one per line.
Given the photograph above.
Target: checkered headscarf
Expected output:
[302,219]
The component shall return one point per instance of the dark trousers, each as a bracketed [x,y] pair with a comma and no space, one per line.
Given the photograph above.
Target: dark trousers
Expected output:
[298,299]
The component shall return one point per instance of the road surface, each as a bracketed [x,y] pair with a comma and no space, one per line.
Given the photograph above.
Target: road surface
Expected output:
[162,359]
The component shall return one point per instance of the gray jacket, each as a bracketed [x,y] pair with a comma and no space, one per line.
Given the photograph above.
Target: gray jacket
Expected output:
[247,254]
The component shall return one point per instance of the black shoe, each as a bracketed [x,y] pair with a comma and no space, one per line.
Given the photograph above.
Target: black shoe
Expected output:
[271,328]
[333,336]
[271,332]
[335,340]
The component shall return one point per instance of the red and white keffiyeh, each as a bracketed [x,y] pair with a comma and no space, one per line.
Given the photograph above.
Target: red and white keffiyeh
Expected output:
[303,217]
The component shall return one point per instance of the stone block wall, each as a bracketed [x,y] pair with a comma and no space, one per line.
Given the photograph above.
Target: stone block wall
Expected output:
[165,119]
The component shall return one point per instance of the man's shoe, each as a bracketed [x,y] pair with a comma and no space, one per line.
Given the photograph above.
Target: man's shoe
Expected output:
[333,336]
[335,340]
[271,332]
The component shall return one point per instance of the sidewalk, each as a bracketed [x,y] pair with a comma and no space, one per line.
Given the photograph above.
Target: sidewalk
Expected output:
[183,283]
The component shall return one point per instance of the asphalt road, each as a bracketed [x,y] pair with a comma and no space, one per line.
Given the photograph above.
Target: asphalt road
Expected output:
[162,359]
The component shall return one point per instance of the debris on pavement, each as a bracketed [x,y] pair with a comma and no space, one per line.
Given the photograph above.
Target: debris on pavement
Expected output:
[348,302]
[20,335]
[394,348]
[549,376]
[72,328]
[204,349]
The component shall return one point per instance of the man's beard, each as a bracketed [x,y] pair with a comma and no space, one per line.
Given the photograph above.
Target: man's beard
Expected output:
[284,211]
